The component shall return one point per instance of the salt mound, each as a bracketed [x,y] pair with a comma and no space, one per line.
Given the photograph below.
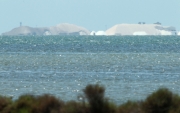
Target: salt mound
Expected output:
[60,29]
[140,33]
[140,29]
[68,29]
[25,30]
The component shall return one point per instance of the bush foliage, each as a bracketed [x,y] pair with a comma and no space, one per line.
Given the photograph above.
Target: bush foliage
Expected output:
[94,101]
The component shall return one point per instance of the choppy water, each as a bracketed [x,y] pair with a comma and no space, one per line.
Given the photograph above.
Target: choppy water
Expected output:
[130,67]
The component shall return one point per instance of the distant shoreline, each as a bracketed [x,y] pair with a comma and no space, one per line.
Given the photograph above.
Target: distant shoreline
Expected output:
[66,29]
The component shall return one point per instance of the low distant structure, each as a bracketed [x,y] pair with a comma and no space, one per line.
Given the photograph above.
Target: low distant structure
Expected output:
[157,23]
[141,23]
[60,29]
[178,33]
[98,33]
[93,33]
[139,29]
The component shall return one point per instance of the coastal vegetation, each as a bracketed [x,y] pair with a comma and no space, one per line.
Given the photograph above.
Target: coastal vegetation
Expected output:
[92,100]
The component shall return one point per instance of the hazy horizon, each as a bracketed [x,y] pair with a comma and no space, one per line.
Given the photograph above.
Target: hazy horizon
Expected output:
[93,15]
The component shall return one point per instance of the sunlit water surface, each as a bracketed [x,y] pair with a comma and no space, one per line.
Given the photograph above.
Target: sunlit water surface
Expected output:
[129,67]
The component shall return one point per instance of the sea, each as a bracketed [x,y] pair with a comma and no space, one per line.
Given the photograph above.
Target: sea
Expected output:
[129,67]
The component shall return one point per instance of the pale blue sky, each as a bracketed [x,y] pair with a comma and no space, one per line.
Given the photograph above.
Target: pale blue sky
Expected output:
[91,14]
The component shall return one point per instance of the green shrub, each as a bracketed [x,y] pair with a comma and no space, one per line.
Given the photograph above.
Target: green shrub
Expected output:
[74,107]
[25,104]
[160,101]
[38,104]
[97,102]
[109,107]
[176,104]
[49,104]
[95,96]
[130,107]
[5,104]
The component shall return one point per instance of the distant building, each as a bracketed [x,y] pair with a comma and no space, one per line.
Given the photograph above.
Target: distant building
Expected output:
[178,33]
[157,23]
[93,33]
[141,22]
[46,32]
[100,33]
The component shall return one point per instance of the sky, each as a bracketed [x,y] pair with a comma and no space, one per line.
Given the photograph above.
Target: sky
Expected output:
[91,14]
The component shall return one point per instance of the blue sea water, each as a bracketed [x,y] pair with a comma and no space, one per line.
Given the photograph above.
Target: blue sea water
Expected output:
[129,67]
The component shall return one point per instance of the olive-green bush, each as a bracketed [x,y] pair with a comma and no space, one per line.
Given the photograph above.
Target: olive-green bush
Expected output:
[161,101]
[130,107]
[97,102]
[94,101]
